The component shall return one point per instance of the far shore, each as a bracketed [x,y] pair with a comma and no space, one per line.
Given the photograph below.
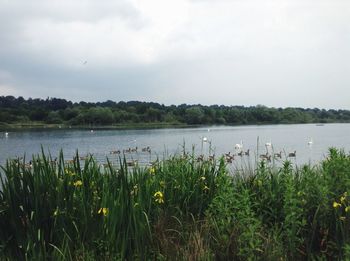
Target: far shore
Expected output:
[128,126]
[38,126]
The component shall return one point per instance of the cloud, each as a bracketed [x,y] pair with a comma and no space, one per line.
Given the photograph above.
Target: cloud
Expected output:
[8,90]
[277,53]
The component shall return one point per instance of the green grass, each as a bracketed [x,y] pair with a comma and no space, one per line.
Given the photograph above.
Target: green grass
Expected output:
[179,208]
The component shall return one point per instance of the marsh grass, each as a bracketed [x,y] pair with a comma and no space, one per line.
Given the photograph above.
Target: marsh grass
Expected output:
[178,208]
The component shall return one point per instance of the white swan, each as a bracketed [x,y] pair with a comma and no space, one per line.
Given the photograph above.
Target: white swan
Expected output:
[239,146]
[310,142]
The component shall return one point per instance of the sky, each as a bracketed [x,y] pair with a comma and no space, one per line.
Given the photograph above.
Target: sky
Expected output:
[278,53]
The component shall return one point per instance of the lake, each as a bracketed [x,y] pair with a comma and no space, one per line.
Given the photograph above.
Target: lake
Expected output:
[164,142]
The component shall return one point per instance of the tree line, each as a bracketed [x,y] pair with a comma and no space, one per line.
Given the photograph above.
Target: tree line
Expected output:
[61,111]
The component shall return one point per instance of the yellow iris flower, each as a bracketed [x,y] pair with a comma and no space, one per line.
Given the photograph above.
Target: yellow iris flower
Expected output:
[103,211]
[159,197]
[78,183]
[336,204]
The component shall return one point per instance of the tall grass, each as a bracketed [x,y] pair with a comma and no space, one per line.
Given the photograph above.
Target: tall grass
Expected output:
[179,208]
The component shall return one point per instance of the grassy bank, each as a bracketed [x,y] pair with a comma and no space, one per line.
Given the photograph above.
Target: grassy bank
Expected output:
[40,125]
[180,208]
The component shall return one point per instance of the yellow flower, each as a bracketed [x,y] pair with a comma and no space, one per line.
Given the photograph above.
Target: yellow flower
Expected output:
[159,197]
[158,194]
[202,178]
[152,170]
[347,209]
[68,172]
[55,213]
[342,199]
[342,218]
[206,188]
[78,183]
[103,211]
[336,204]
[135,190]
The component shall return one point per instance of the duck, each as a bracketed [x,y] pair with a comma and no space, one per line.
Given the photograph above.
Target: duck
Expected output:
[278,155]
[229,158]
[292,154]
[211,157]
[266,157]
[200,158]
[131,163]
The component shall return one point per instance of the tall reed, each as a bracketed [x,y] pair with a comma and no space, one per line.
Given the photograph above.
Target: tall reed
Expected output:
[182,207]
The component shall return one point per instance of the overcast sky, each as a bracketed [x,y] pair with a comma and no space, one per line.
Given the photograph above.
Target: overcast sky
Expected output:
[277,53]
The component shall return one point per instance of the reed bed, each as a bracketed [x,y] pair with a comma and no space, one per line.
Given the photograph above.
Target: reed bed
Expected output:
[179,208]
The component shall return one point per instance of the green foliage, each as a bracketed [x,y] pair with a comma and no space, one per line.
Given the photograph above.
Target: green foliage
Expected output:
[180,208]
[53,208]
[54,111]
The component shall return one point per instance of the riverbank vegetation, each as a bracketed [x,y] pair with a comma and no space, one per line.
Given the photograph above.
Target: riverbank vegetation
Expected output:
[17,112]
[179,208]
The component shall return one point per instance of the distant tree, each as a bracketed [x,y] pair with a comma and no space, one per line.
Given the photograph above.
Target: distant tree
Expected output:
[70,113]
[194,115]
[53,117]
[54,110]
[154,114]
[38,114]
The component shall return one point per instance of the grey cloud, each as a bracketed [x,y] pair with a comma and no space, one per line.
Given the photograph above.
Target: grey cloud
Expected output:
[276,53]
[90,11]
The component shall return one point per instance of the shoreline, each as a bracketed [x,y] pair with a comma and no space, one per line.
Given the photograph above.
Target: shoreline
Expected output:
[136,126]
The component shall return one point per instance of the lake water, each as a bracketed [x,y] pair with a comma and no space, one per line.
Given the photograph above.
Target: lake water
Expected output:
[165,142]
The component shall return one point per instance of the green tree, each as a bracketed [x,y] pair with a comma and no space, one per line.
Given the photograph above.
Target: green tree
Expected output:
[194,115]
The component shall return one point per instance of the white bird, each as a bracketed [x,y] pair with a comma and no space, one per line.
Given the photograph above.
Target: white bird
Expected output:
[239,146]
[268,144]
[6,134]
[91,131]
[205,139]
[310,142]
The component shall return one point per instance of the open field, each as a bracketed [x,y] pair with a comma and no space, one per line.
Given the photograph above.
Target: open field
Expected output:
[183,208]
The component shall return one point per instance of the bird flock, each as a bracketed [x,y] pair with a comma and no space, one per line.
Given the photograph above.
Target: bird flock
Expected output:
[229,157]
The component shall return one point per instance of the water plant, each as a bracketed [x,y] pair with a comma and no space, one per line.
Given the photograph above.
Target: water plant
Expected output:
[177,208]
